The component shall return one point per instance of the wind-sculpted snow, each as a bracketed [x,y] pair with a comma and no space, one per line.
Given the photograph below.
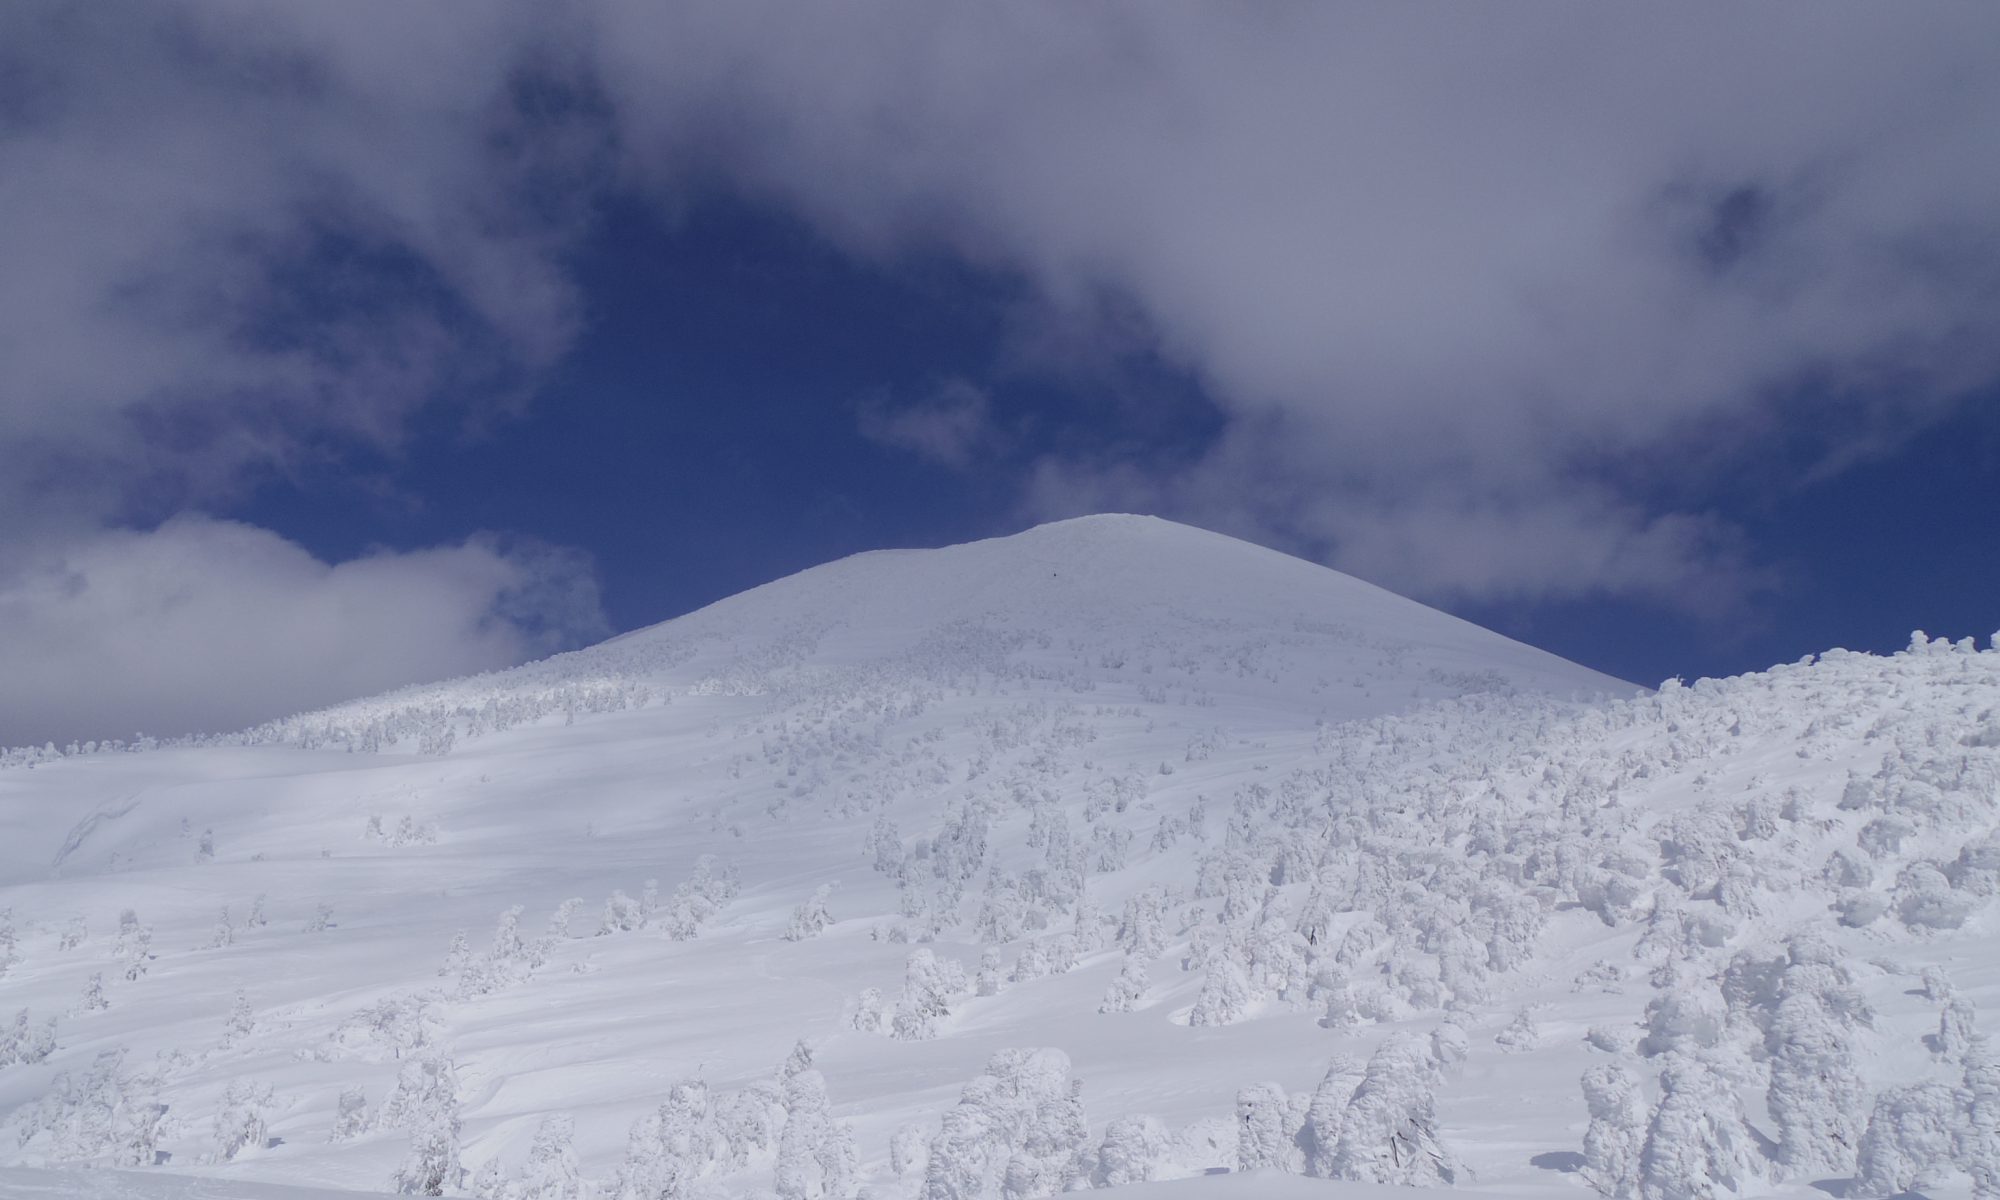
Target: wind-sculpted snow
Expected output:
[929,881]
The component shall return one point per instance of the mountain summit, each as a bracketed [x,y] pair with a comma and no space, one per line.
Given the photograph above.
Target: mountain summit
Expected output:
[1133,602]
[1110,853]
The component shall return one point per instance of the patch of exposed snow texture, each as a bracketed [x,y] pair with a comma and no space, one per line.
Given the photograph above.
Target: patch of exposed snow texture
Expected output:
[1114,854]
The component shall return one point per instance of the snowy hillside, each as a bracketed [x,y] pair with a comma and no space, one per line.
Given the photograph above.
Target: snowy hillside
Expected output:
[1114,853]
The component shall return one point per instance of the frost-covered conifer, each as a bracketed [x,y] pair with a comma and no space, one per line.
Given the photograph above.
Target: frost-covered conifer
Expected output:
[1816,1097]
[1979,1135]
[1521,1034]
[1278,963]
[988,980]
[225,931]
[885,848]
[1265,1135]
[551,1171]
[1955,1029]
[25,1043]
[1697,1142]
[1225,992]
[205,849]
[425,1103]
[94,999]
[1389,1131]
[1018,1130]
[321,920]
[73,935]
[1131,1151]
[811,916]
[669,1148]
[1937,987]
[241,1023]
[1687,1016]
[558,929]
[1331,988]
[456,957]
[1142,931]
[240,1122]
[1126,989]
[1909,1141]
[815,1154]
[1617,1132]
[134,949]
[508,946]
[621,914]
[1326,1113]
[350,1118]
[928,985]
[866,1015]
[1031,963]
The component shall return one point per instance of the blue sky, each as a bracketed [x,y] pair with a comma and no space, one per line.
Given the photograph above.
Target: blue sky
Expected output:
[703,437]
[345,347]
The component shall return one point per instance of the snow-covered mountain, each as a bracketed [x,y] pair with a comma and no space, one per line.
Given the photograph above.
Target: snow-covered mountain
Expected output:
[1112,853]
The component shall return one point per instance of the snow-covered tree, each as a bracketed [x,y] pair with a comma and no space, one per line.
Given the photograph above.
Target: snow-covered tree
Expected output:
[1389,1131]
[350,1118]
[1225,991]
[1326,1113]
[1032,963]
[242,1021]
[134,948]
[425,1103]
[1131,1151]
[621,914]
[1979,1136]
[240,1121]
[671,1148]
[1909,1142]
[811,916]
[1016,1131]
[1698,1141]
[1521,1034]
[1816,1096]
[1956,1029]
[1127,989]
[815,1154]
[551,1171]
[25,1042]
[929,983]
[1617,1132]
[1333,991]
[456,957]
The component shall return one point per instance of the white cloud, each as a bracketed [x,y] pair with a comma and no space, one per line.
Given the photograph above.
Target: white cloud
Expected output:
[1489,301]
[207,625]
[952,426]
[1492,262]
[236,235]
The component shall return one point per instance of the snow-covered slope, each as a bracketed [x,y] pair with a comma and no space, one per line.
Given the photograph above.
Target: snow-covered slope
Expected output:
[1292,875]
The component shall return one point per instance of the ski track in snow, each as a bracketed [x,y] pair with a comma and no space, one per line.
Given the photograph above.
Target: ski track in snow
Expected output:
[1334,799]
